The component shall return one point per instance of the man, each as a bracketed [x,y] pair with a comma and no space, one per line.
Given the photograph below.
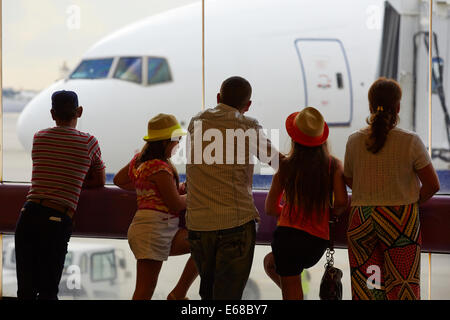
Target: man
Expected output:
[220,210]
[64,161]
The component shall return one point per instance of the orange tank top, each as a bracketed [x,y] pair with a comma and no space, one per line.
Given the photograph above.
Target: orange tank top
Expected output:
[316,223]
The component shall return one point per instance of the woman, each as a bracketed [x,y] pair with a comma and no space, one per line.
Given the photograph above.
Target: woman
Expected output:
[308,177]
[154,233]
[384,165]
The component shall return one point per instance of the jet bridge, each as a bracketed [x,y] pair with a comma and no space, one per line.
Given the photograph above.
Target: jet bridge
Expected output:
[404,56]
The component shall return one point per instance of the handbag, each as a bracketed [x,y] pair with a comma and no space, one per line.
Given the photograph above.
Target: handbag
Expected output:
[331,285]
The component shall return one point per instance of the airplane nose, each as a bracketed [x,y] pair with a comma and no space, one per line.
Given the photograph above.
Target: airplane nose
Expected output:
[36,116]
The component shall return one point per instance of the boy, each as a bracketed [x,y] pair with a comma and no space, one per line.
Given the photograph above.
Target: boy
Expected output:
[64,161]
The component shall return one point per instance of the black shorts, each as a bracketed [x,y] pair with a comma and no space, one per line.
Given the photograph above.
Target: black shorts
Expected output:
[295,250]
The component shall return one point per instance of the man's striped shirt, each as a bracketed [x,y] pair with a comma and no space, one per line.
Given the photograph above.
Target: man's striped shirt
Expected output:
[61,158]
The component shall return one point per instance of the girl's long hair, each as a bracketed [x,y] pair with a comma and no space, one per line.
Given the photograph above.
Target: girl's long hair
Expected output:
[384,96]
[305,178]
[156,150]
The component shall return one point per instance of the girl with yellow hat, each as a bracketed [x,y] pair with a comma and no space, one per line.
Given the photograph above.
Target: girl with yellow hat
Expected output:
[154,233]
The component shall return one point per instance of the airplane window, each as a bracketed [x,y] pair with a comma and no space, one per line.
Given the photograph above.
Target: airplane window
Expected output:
[158,71]
[92,69]
[129,69]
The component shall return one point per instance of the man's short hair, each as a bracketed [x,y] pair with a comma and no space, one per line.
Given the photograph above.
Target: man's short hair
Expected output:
[64,105]
[235,92]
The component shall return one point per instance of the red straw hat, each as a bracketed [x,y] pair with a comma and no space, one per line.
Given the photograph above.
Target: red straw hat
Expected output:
[307,127]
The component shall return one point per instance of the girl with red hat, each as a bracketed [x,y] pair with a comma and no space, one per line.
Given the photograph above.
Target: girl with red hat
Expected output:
[307,179]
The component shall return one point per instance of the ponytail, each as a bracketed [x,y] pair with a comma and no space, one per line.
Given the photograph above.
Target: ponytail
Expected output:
[384,96]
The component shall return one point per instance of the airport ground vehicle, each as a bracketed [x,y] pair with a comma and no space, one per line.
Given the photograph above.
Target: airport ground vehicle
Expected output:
[91,271]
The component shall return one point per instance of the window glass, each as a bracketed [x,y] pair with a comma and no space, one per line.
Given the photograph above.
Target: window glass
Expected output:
[69,259]
[92,69]
[129,69]
[158,71]
[103,266]
[83,263]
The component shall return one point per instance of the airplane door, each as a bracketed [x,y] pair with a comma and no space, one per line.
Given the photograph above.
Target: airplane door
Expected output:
[327,79]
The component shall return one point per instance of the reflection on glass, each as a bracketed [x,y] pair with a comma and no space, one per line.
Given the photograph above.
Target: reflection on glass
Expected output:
[129,69]
[103,266]
[107,270]
[92,69]
[158,71]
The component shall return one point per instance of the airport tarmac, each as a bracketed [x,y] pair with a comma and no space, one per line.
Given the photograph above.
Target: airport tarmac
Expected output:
[17,167]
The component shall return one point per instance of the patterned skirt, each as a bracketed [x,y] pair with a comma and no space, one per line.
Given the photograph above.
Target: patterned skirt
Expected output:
[384,251]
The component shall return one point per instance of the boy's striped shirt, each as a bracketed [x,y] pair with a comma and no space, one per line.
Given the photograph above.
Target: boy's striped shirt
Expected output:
[61,158]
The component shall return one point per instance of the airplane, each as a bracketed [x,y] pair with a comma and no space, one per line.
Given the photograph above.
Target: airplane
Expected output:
[323,53]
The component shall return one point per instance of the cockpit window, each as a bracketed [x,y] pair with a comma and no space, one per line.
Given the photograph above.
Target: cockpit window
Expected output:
[129,69]
[158,71]
[92,69]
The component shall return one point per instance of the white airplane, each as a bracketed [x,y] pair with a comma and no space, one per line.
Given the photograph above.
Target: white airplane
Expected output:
[294,53]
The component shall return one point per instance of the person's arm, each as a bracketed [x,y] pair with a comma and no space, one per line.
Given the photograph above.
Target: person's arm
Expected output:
[430,183]
[272,205]
[95,178]
[265,150]
[122,179]
[349,182]
[339,190]
[169,192]
[182,188]
[348,165]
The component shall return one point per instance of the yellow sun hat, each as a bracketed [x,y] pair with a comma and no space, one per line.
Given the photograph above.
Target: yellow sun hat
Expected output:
[163,127]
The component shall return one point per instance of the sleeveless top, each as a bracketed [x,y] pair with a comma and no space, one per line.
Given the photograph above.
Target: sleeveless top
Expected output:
[148,195]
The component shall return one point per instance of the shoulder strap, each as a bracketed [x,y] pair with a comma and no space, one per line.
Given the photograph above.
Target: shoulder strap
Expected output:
[332,221]
[331,168]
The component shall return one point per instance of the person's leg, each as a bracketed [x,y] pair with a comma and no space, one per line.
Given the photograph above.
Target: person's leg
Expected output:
[364,250]
[234,260]
[180,245]
[293,250]
[146,278]
[269,268]
[54,238]
[291,288]
[26,252]
[188,276]
[203,252]
[402,255]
